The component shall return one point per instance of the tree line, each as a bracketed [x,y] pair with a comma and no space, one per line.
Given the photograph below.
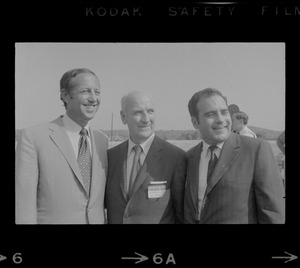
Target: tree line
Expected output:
[121,134]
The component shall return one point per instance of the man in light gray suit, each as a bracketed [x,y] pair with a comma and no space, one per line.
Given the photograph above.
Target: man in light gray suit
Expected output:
[52,185]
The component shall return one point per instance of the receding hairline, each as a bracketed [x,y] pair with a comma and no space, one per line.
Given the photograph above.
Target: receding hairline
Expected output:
[69,75]
[131,95]
[202,94]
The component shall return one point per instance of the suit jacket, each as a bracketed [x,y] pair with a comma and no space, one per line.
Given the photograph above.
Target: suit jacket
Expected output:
[164,162]
[246,186]
[49,185]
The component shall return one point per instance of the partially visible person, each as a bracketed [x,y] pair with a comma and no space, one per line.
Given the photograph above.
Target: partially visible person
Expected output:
[281,145]
[61,165]
[239,124]
[281,142]
[233,108]
[154,193]
[231,178]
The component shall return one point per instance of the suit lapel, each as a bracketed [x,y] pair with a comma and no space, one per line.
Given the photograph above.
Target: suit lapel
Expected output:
[95,164]
[230,152]
[193,173]
[123,164]
[151,160]
[62,141]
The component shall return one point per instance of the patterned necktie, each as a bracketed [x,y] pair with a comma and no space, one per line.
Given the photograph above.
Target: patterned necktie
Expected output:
[135,168]
[85,159]
[212,162]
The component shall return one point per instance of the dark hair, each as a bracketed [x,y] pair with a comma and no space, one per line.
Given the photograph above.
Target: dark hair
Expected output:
[205,93]
[242,115]
[67,76]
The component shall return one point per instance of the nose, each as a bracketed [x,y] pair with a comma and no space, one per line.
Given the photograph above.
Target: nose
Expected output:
[92,96]
[220,118]
[145,117]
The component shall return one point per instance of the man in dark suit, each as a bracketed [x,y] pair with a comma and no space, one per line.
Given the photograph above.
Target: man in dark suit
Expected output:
[245,185]
[155,194]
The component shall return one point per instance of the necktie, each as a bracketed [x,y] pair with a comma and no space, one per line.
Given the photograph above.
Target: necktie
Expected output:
[212,161]
[84,159]
[135,168]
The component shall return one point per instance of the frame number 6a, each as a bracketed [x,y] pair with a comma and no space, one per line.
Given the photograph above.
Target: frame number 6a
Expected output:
[157,258]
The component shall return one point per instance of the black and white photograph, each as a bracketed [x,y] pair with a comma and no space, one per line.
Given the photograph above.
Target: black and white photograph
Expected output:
[151,84]
[156,132]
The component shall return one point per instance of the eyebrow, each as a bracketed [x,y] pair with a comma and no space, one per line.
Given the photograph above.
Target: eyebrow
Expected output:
[89,88]
[210,112]
[216,111]
[142,109]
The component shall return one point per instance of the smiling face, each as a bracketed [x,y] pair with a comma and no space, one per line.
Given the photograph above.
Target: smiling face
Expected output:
[214,122]
[139,115]
[83,101]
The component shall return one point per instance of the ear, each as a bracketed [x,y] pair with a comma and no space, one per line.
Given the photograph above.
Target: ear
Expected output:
[65,96]
[123,117]
[195,122]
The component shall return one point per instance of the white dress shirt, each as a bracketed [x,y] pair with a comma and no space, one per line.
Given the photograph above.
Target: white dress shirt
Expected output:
[247,132]
[73,130]
[203,167]
[130,155]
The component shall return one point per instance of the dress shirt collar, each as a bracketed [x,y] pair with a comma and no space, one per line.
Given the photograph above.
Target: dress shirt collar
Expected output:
[217,151]
[244,129]
[145,145]
[72,126]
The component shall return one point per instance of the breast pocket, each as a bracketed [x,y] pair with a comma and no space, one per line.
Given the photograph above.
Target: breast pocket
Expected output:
[158,194]
[156,190]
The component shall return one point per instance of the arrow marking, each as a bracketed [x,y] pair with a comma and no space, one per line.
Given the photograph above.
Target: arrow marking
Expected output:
[2,258]
[291,257]
[139,259]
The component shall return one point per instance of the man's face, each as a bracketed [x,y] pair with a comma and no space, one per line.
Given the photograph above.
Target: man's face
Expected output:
[214,121]
[236,123]
[83,101]
[139,116]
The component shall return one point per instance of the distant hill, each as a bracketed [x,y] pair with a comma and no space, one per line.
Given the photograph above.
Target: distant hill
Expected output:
[121,134]
[164,134]
[263,133]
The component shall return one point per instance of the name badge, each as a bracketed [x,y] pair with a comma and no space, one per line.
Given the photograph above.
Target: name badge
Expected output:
[156,190]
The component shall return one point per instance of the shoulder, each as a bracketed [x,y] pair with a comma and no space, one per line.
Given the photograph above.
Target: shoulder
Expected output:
[254,144]
[38,129]
[246,131]
[37,134]
[194,149]
[248,139]
[118,148]
[169,146]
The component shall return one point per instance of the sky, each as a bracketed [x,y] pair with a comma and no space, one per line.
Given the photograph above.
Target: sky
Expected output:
[250,75]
